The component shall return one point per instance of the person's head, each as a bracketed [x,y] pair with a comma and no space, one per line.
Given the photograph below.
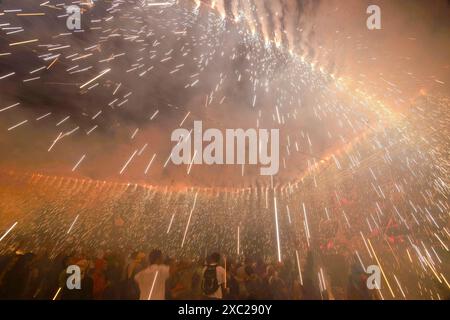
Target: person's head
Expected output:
[214,258]
[140,257]
[66,261]
[100,254]
[270,271]
[155,256]
[24,261]
[84,266]
[249,271]
[259,261]
[134,255]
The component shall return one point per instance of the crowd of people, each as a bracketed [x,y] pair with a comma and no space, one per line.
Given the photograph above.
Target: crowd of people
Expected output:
[106,275]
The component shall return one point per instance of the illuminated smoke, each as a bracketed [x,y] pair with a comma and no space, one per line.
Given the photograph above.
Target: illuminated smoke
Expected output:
[235,10]
[263,19]
[220,6]
[290,15]
[277,15]
[248,15]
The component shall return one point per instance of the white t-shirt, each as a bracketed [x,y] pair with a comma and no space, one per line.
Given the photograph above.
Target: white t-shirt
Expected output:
[152,282]
[220,274]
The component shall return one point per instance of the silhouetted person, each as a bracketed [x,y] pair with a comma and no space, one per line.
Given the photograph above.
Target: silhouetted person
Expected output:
[310,290]
[357,284]
[15,280]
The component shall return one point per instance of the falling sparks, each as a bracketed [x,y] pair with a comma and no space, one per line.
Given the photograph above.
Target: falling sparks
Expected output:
[189,220]
[369,173]
[277,229]
[78,163]
[153,285]
[95,78]
[128,162]
[73,223]
[8,231]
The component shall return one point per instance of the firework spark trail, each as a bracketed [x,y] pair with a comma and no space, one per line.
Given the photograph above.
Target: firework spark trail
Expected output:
[153,285]
[17,125]
[382,271]
[308,235]
[299,268]
[78,163]
[170,223]
[189,219]
[73,223]
[277,229]
[7,75]
[8,231]
[150,163]
[95,78]
[238,241]
[9,107]
[57,293]
[128,162]
[192,161]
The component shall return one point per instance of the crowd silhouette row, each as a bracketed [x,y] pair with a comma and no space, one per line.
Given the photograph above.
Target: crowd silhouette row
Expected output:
[25,275]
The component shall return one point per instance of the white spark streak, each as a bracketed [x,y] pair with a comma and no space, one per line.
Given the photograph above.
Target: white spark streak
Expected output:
[153,285]
[8,231]
[189,220]
[128,162]
[277,229]
[95,78]
[73,223]
[78,163]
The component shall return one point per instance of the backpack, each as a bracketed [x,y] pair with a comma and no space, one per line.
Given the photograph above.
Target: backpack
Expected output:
[210,283]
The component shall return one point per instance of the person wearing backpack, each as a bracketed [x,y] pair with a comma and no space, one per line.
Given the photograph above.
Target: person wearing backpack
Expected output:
[213,281]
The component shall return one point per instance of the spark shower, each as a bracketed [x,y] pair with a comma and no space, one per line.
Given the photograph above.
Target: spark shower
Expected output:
[355,103]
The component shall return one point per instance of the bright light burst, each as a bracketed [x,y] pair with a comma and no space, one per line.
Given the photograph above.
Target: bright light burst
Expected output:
[90,109]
